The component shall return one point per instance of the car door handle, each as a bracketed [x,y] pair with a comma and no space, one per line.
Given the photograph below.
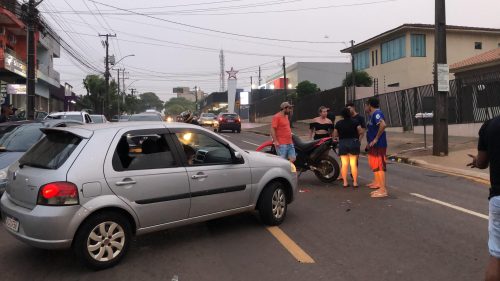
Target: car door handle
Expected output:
[125,182]
[199,176]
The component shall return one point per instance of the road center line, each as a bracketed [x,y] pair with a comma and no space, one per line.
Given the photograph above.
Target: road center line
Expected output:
[251,143]
[450,206]
[292,247]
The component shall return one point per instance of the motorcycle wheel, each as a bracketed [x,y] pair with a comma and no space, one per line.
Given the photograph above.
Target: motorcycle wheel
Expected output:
[328,169]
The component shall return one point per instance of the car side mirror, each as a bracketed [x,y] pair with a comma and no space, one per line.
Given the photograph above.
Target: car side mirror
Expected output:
[238,158]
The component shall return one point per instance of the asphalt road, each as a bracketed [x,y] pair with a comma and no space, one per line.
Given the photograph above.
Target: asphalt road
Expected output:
[431,227]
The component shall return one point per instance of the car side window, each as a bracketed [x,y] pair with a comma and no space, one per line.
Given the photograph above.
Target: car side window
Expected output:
[201,149]
[143,151]
[87,119]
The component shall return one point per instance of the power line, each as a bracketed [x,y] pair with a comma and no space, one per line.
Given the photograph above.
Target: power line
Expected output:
[219,31]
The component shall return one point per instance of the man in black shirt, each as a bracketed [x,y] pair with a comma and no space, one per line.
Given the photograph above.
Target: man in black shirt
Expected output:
[489,155]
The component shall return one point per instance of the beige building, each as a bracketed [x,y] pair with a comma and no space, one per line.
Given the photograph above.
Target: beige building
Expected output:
[403,57]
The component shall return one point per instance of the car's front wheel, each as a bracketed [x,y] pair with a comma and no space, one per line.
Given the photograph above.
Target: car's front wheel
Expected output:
[273,204]
[103,240]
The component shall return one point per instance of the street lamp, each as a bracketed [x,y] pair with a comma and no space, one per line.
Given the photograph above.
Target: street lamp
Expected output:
[118,78]
[131,55]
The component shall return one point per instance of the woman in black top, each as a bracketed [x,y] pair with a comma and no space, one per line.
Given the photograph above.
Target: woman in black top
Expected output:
[349,132]
[321,127]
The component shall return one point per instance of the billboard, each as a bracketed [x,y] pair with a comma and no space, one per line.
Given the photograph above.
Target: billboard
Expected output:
[244,98]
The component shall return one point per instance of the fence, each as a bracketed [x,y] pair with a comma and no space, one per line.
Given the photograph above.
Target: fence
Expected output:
[305,107]
[472,100]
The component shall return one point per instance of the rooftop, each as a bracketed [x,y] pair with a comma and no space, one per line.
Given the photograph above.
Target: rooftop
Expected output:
[419,26]
[484,59]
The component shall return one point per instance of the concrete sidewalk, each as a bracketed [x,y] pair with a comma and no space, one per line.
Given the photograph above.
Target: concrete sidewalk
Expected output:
[409,148]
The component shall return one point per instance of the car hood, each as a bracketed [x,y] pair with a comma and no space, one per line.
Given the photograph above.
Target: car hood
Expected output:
[261,159]
[7,158]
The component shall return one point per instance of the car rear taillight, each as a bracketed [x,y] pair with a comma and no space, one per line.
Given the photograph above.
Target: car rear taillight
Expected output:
[221,119]
[60,193]
[238,120]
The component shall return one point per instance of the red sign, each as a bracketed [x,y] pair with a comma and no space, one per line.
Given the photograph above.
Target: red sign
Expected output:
[279,83]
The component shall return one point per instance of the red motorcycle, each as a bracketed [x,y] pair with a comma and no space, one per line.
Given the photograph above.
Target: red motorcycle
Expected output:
[312,155]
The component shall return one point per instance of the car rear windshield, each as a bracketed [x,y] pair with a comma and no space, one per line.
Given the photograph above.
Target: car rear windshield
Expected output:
[21,138]
[208,115]
[52,151]
[232,116]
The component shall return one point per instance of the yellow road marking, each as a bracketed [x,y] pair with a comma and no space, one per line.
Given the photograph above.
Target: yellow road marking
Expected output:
[292,247]
[458,208]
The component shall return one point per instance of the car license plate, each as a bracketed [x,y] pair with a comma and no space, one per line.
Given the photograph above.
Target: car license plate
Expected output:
[12,224]
[230,121]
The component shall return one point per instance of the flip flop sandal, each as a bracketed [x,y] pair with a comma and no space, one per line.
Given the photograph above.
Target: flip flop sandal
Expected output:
[379,195]
[373,187]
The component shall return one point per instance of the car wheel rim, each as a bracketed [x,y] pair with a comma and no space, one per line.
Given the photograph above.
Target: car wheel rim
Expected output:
[326,169]
[106,241]
[279,203]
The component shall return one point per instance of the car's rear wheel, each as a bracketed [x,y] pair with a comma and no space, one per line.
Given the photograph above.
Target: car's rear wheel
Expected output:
[103,240]
[273,204]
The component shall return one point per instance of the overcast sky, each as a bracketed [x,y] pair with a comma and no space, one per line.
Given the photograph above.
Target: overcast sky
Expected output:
[168,55]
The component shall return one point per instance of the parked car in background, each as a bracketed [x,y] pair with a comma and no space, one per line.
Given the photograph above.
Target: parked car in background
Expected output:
[207,119]
[121,118]
[20,137]
[146,116]
[81,116]
[93,187]
[39,115]
[98,119]
[228,122]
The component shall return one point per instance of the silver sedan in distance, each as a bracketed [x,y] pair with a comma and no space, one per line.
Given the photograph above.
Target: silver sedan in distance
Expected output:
[93,187]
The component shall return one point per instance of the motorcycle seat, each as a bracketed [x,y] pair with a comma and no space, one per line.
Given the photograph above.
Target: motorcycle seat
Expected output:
[303,145]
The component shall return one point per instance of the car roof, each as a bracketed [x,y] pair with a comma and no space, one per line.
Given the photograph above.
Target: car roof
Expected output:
[87,130]
[67,113]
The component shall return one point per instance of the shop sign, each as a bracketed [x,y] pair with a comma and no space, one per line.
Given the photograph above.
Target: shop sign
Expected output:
[15,65]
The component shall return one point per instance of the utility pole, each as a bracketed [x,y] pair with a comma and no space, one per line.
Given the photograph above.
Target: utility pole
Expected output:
[32,21]
[260,79]
[441,84]
[196,97]
[106,72]
[118,100]
[284,79]
[353,73]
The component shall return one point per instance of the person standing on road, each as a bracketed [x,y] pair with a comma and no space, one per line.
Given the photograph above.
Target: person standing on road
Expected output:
[377,147]
[489,155]
[330,115]
[349,133]
[282,133]
[321,127]
[356,116]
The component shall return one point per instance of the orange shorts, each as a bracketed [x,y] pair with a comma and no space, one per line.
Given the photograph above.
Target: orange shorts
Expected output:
[377,158]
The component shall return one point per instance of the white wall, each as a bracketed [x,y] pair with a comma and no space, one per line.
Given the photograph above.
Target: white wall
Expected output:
[326,75]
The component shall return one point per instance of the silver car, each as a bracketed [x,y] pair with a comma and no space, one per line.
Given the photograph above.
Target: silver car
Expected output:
[93,187]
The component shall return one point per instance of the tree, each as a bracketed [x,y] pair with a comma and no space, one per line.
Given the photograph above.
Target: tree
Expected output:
[363,79]
[306,88]
[96,95]
[150,100]
[175,106]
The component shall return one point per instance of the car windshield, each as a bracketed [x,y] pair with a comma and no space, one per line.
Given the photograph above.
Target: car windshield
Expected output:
[21,138]
[145,117]
[124,117]
[97,118]
[207,115]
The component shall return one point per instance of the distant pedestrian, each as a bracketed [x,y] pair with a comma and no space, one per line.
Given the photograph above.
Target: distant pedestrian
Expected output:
[489,155]
[348,131]
[6,111]
[321,127]
[282,133]
[377,147]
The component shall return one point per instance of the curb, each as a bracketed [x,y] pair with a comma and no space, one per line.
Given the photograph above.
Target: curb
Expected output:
[476,176]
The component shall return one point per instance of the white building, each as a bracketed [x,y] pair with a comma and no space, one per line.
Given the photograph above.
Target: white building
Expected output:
[326,75]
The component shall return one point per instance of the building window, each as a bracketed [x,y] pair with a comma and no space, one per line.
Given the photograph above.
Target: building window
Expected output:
[478,45]
[373,58]
[362,60]
[376,57]
[418,45]
[394,49]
